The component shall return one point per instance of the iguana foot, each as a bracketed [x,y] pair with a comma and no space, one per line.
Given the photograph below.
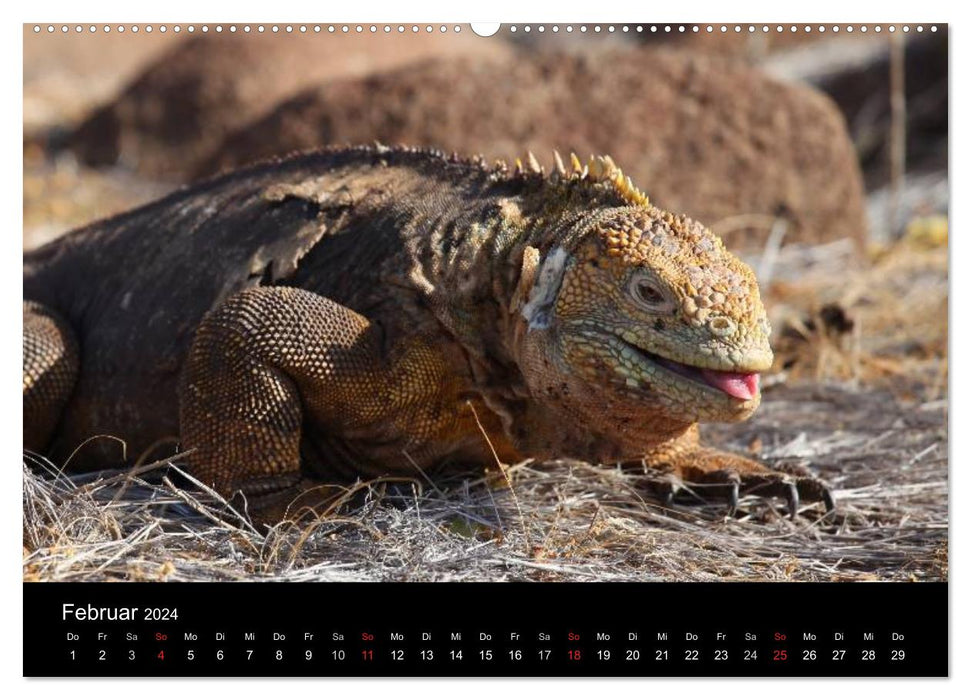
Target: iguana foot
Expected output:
[728,476]
[705,473]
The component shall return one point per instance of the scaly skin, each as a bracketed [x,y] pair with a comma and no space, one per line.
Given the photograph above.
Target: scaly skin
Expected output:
[362,312]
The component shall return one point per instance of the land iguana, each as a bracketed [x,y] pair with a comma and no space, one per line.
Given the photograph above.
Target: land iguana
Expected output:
[371,311]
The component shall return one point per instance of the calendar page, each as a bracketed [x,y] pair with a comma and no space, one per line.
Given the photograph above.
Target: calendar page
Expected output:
[526,349]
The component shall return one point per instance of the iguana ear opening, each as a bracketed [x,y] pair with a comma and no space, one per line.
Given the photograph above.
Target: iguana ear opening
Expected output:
[543,285]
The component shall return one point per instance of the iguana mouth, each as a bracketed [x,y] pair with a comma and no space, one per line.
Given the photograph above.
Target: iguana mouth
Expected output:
[739,385]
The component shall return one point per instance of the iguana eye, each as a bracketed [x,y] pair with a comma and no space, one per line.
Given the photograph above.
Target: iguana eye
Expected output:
[647,292]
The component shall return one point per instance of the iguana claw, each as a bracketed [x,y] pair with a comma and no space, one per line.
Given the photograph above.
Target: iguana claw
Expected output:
[709,475]
[733,498]
[792,500]
[796,490]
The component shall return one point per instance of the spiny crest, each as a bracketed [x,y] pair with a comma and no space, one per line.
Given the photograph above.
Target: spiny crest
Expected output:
[599,170]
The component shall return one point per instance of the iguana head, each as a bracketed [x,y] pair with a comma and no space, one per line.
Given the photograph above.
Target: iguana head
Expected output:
[637,320]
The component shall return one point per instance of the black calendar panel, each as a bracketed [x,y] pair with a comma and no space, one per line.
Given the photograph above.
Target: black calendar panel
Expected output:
[470,629]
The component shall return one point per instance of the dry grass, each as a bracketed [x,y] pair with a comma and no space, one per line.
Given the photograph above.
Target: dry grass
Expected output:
[573,521]
[866,409]
[897,305]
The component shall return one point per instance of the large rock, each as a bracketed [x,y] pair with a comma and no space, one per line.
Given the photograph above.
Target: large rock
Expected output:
[705,135]
[66,75]
[186,102]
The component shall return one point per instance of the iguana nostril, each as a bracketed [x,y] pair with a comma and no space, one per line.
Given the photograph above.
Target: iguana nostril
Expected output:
[722,326]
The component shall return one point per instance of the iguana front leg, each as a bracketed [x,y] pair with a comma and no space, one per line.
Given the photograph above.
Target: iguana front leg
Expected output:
[262,366]
[686,461]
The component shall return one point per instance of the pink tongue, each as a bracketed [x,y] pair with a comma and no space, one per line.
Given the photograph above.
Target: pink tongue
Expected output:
[741,386]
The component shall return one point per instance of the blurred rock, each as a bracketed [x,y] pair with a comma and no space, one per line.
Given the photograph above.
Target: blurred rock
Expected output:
[188,100]
[67,74]
[701,134]
[752,46]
